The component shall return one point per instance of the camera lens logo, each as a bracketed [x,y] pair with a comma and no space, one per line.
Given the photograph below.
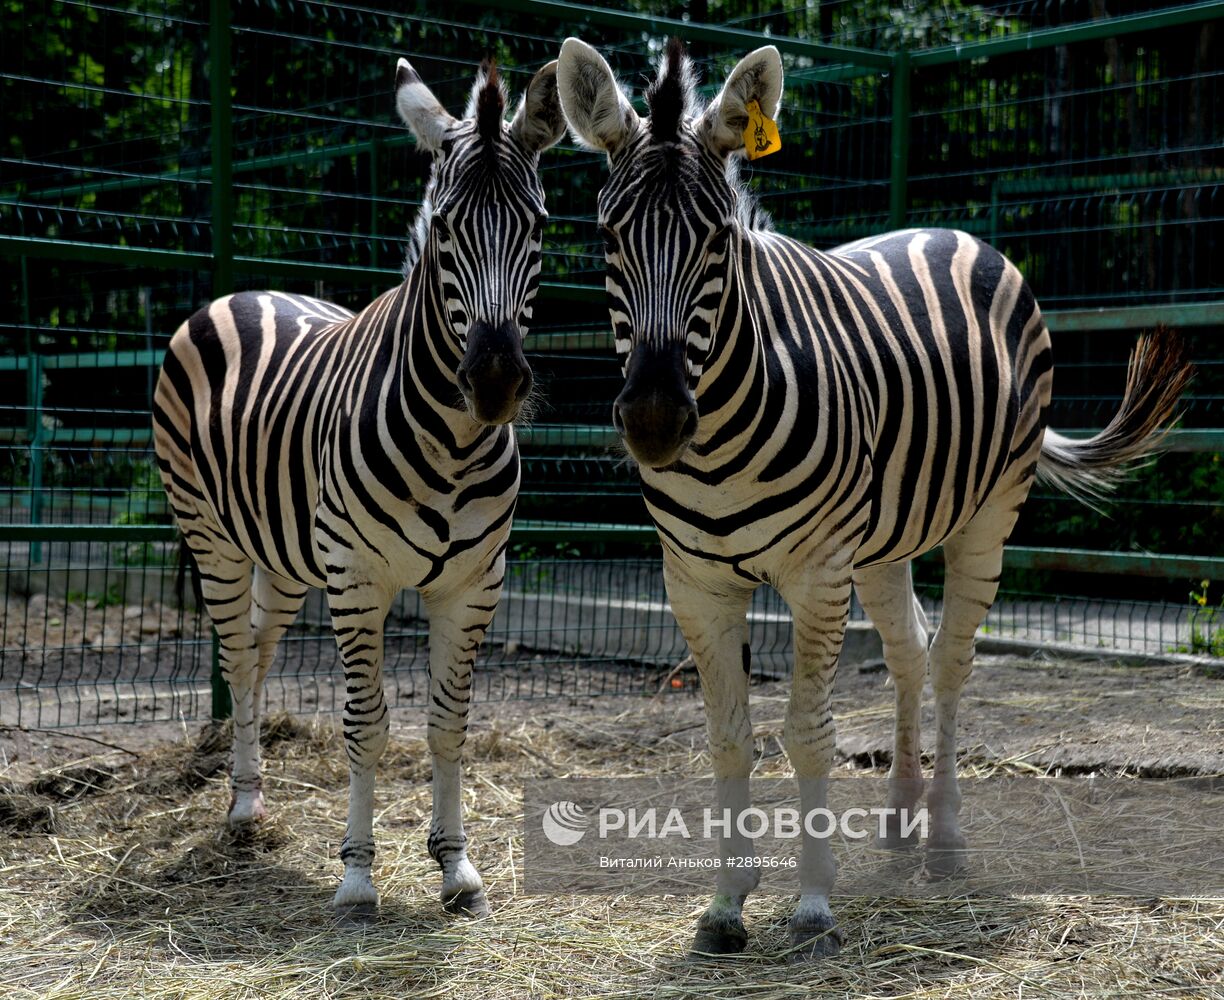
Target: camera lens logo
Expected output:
[564,823]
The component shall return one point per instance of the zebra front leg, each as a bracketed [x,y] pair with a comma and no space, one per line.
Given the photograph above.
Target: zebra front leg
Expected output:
[359,611]
[974,559]
[457,625]
[887,595]
[820,606]
[716,629]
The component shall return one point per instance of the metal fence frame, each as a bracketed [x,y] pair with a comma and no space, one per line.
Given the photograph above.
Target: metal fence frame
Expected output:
[223,263]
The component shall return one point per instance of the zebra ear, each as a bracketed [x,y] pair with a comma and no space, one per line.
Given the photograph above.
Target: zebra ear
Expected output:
[756,77]
[598,112]
[539,123]
[422,112]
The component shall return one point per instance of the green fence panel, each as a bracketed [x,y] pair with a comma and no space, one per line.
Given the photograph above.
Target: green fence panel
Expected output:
[157,155]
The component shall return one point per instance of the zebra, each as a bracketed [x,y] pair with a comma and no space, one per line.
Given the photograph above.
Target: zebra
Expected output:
[302,446]
[814,421]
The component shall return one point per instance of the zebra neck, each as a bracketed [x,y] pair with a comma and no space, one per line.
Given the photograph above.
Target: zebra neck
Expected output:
[735,370]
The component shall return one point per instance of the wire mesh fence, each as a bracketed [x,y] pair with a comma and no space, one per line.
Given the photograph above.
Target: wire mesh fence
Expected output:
[159,153]
[97,632]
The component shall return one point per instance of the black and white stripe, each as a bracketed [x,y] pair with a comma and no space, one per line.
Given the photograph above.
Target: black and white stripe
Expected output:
[302,446]
[813,421]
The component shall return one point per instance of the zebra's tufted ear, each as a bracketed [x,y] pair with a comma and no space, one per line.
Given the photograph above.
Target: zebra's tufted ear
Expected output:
[539,123]
[421,111]
[598,112]
[756,77]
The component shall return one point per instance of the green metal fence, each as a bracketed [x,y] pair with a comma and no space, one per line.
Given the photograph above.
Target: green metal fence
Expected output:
[156,155]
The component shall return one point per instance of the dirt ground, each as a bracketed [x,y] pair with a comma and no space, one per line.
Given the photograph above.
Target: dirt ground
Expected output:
[119,879]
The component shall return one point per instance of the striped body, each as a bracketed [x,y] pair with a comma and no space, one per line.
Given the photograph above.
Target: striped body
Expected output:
[852,398]
[314,439]
[302,446]
[813,421]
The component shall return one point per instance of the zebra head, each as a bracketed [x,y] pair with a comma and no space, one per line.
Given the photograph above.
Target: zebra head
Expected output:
[480,228]
[669,214]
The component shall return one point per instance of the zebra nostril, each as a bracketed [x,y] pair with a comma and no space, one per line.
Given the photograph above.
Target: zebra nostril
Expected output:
[524,387]
[690,426]
[618,422]
[465,383]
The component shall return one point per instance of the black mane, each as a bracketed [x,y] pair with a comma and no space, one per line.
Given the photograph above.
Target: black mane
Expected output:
[669,96]
[490,106]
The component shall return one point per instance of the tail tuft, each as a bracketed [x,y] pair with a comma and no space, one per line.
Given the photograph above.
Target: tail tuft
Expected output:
[1155,379]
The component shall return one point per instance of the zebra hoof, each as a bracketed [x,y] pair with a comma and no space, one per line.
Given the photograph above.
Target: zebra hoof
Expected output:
[811,939]
[725,938]
[245,810]
[946,862]
[894,841]
[356,900]
[468,903]
[357,914]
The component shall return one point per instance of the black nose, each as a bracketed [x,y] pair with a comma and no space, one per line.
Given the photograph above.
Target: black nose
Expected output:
[524,386]
[655,413]
[494,375]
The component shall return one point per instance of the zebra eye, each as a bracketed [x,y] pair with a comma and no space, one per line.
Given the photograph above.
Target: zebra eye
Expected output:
[718,242]
[537,231]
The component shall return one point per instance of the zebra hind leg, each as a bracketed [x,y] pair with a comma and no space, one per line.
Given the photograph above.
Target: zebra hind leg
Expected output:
[887,595]
[225,580]
[973,559]
[359,611]
[275,602]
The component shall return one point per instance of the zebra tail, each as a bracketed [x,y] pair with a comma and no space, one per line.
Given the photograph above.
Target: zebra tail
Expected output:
[186,564]
[1088,469]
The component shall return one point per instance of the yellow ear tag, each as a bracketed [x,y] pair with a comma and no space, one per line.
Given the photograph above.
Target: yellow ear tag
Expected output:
[761,136]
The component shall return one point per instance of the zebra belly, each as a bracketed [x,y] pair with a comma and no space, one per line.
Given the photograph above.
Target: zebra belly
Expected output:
[907,522]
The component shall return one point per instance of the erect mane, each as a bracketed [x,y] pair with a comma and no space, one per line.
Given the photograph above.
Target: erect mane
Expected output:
[748,210]
[487,104]
[418,236]
[671,96]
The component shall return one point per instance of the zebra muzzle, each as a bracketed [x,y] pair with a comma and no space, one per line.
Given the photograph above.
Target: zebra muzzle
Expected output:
[655,414]
[494,376]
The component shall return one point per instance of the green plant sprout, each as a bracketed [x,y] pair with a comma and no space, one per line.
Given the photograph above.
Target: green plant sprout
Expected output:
[1206,622]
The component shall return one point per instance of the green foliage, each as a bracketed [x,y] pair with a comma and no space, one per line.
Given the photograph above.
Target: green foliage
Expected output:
[143,500]
[111,597]
[124,95]
[531,565]
[1206,622]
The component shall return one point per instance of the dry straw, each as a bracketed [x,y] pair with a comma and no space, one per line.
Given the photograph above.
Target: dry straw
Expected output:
[118,880]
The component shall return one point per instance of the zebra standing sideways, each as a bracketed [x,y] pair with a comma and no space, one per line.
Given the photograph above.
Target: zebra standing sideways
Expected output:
[815,420]
[302,446]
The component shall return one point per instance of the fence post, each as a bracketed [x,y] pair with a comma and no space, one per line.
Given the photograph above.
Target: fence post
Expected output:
[221,182]
[222,205]
[34,398]
[901,80]
[375,148]
[35,376]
